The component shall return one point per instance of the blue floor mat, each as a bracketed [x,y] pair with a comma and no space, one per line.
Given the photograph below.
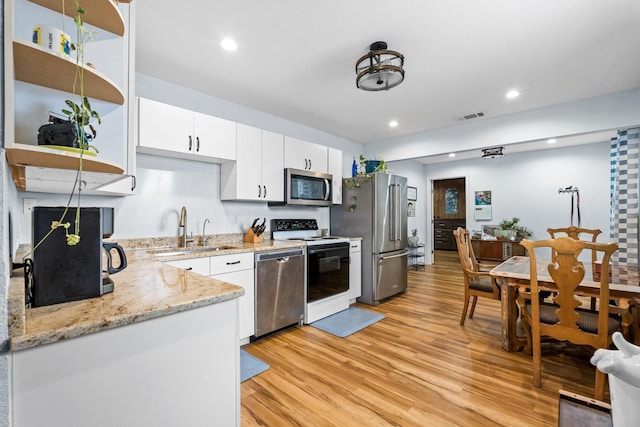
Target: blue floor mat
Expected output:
[250,366]
[347,321]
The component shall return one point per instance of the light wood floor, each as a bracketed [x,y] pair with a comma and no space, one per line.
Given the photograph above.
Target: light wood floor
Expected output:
[416,367]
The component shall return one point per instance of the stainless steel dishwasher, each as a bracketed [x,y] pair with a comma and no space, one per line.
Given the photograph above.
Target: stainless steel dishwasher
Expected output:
[279,290]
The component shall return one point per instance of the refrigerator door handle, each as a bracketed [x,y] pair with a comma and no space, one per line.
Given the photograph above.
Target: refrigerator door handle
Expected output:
[396,205]
[394,256]
[392,213]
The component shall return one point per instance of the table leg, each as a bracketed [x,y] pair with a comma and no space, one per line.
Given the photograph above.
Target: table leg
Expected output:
[509,315]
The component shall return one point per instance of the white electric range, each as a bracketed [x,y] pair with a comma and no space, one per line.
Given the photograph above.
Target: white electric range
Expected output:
[327,266]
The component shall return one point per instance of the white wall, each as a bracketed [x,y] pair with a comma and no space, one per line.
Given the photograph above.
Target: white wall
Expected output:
[525,185]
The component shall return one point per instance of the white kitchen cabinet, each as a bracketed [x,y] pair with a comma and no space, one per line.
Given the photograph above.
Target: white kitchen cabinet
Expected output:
[177,132]
[355,270]
[38,81]
[182,369]
[299,154]
[238,269]
[334,160]
[258,172]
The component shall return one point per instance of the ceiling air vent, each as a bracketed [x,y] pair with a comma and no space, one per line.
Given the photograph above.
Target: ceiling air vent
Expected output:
[470,116]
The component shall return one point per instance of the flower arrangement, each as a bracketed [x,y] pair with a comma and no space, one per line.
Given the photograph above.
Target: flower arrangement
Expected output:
[414,232]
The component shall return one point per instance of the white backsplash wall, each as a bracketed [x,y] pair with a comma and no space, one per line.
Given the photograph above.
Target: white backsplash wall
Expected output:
[164,185]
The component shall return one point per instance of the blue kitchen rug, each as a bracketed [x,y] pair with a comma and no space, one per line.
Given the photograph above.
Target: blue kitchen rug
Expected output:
[346,322]
[250,366]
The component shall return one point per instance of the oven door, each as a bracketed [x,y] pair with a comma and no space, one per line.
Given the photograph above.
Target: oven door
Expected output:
[327,270]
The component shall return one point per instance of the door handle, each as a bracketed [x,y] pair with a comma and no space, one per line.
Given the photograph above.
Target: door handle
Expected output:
[327,189]
[265,191]
[394,256]
[259,191]
[198,144]
[190,142]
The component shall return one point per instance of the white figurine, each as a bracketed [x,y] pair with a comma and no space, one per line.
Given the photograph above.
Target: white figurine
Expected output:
[623,367]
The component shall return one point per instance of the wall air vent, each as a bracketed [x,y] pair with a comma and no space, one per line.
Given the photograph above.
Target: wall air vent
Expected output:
[470,116]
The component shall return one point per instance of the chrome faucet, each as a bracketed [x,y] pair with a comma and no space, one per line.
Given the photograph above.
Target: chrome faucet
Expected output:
[183,224]
[204,240]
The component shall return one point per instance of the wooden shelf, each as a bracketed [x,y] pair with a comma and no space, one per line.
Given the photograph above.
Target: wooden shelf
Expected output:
[43,68]
[21,156]
[100,13]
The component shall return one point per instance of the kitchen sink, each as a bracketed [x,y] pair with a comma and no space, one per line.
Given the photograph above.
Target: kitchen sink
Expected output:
[187,251]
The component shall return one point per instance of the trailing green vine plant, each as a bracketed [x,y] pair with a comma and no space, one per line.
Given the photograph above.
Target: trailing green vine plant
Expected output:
[362,177]
[80,112]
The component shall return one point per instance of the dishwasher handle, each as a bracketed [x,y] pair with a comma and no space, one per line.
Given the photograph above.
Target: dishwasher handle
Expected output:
[279,255]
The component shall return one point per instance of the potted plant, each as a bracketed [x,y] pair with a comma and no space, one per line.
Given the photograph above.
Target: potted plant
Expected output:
[79,111]
[413,239]
[510,229]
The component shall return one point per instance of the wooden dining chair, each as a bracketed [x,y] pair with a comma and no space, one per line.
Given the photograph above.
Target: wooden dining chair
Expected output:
[477,281]
[562,319]
[577,233]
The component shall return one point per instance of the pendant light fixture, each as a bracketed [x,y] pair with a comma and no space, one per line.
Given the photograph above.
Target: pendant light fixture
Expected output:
[380,69]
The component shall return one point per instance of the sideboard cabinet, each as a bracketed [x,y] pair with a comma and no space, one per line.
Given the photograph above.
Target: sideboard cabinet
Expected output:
[496,250]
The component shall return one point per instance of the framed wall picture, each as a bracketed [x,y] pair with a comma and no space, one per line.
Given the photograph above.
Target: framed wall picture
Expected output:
[412,193]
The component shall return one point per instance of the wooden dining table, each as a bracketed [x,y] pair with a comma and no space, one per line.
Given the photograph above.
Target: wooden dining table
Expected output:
[515,272]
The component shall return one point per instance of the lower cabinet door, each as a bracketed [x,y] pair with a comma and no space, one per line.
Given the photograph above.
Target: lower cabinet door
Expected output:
[244,278]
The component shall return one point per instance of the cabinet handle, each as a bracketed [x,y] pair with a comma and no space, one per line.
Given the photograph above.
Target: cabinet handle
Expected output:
[133,182]
[234,262]
[198,144]
[306,164]
[265,191]
[259,191]
[309,164]
[190,142]
[188,269]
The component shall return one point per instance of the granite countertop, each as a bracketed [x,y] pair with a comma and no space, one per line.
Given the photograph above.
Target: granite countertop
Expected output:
[146,289]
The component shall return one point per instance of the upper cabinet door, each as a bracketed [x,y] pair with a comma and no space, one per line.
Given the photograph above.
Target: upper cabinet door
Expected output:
[164,126]
[214,137]
[299,154]
[273,166]
[249,164]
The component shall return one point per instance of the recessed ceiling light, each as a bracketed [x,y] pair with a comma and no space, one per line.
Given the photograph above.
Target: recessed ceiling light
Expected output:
[452,154]
[393,124]
[551,141]
[228,44]
[513,94]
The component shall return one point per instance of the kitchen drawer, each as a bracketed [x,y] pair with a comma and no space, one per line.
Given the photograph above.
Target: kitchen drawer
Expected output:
[234,262]
[197,265]
[442,234]
[441,224]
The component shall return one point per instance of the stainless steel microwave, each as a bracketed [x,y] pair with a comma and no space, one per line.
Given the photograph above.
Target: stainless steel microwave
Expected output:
[306,188]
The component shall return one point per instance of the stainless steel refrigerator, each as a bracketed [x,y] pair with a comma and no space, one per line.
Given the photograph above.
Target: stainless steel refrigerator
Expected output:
[375,208]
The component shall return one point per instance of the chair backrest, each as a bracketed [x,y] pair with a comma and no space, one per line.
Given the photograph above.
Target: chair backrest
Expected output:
[568,272]
[575,232]
[465,250]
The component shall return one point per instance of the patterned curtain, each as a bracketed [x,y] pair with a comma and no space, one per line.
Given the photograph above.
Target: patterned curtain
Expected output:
[624,195]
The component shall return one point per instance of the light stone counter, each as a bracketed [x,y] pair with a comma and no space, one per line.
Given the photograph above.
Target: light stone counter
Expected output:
[145,290]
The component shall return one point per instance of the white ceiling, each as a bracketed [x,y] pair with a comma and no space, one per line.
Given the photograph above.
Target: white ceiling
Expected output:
[296,58]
